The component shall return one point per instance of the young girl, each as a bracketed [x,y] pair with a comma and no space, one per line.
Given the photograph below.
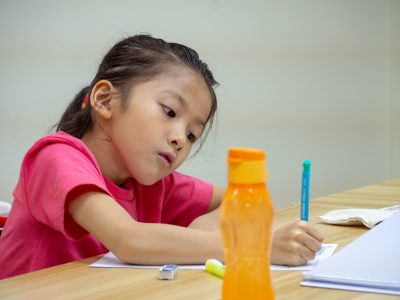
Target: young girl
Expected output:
[106,180]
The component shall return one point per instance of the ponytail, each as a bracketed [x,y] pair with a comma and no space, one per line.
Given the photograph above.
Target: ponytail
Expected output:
[76,120]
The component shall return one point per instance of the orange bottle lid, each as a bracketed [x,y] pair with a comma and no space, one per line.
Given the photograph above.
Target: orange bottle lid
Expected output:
[246,166]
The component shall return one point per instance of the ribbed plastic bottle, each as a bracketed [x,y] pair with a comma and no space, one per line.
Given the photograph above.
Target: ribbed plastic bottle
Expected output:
[246,226]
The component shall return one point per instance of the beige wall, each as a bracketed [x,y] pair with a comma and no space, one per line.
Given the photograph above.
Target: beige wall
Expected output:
[312,80]
[393,8]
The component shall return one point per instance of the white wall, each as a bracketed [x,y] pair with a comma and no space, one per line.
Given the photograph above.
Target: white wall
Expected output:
[310,79]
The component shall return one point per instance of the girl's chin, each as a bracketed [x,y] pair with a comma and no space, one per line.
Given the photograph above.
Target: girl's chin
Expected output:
[150,180]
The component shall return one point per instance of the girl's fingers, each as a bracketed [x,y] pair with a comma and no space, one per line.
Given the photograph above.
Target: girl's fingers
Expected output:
[307,254]
[314,233]
[310,237]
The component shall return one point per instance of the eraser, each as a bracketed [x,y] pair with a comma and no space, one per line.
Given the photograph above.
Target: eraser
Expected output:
[168,272]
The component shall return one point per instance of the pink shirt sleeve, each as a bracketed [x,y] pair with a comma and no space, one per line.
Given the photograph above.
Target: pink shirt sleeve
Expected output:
[58,169]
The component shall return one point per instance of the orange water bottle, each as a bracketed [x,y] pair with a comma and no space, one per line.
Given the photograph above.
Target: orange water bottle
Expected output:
[246,226]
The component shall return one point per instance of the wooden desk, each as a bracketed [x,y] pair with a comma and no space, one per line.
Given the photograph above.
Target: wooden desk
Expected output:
[77,281]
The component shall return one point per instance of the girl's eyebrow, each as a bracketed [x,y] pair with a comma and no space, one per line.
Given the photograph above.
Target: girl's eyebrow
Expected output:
[184,103]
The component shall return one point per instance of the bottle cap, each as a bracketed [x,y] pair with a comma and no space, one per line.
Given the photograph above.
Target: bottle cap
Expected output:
[246,166]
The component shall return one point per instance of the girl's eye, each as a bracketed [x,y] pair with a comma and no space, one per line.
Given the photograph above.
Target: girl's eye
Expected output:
[169,112]
[191,137]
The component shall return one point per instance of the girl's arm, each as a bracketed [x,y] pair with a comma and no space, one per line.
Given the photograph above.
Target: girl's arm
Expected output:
[141,243]
[144,243]
[218,194]
[210,220]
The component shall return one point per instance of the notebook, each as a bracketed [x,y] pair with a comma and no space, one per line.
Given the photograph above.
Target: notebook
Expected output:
[371,263]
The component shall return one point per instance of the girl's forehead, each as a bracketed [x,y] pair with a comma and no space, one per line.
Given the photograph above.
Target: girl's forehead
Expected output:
[181,79]
[178,72]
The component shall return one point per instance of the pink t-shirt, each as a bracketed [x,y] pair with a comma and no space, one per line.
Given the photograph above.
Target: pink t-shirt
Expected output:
[39,233]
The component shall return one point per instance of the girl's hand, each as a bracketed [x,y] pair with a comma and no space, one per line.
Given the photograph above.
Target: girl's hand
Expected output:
[295,244]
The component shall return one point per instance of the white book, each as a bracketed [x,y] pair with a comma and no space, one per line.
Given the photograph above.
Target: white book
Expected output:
[371,263]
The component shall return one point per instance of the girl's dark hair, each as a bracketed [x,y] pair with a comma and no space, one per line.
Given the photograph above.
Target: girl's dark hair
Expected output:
[134,59]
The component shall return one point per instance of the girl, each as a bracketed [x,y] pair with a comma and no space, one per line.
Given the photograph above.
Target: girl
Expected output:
[106,180]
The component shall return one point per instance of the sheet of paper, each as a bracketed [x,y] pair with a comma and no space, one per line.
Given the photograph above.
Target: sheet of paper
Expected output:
[355,216]
[110,261]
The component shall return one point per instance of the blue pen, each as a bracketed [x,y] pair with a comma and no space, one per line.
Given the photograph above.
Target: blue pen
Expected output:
[305,190]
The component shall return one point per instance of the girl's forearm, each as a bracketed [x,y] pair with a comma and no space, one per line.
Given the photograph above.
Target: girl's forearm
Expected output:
[169,244]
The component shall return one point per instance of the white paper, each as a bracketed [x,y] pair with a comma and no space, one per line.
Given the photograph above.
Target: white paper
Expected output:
[369,263]
[111,261]
[359,216]
[349,287]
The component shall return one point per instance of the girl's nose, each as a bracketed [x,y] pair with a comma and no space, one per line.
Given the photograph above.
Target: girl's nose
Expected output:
[177,140]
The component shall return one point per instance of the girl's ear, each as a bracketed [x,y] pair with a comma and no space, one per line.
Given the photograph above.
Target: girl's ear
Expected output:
[100,98]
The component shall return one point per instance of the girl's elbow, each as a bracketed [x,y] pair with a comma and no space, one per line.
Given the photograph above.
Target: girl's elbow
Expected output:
[126,244]
[125,251]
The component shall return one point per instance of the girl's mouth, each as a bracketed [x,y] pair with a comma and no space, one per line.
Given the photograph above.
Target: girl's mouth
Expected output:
[167,157]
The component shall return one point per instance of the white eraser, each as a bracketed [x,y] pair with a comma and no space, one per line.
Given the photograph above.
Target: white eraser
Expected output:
[168,272]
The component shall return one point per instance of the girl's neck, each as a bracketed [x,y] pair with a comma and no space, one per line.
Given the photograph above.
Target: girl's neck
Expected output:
[102,149]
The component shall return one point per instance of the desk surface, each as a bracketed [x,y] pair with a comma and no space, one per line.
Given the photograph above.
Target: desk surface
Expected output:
[77,281]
